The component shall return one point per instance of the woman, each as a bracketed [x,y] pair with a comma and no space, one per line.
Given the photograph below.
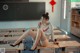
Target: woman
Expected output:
[39,34]
[46,26]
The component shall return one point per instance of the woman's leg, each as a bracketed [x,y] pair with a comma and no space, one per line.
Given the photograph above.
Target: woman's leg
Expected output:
[27,33]
[40,36]
[37,39]
[44,39]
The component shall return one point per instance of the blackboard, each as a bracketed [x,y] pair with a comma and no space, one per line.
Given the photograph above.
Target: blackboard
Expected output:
[21,11]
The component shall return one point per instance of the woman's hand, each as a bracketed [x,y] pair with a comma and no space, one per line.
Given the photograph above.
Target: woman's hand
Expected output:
[39,24]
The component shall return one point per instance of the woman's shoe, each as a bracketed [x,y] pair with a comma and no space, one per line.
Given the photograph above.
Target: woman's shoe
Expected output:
[12,45]
[19,43]
[16,44]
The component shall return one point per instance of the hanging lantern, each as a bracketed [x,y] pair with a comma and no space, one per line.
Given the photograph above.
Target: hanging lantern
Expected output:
[52,2]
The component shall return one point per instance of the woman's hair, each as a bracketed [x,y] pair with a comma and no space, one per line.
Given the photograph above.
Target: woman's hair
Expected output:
[46,16]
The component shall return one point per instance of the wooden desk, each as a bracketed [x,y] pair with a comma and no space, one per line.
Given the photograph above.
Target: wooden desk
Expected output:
[2,38]
[58,37]
[10,49]
[2,34]
[7,46]
[60,45]
[16,33]
[57,32]
[8,40]
[50,45]
[11,38]
[68,43]
[61,37]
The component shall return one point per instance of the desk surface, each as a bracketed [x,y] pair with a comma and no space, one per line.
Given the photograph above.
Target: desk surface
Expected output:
[11,38]
[7,46]
[61,36]
[57,31]
[68,43]
[2,38]
[50,45]
[61,44]
[16,37]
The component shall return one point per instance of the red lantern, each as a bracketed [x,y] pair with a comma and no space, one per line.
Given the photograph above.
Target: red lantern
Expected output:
[52,2]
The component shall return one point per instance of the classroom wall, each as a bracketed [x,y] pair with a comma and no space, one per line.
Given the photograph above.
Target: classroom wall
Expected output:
[54,17]
[65,23]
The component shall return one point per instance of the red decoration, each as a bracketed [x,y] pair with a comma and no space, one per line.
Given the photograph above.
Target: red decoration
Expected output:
[52,2]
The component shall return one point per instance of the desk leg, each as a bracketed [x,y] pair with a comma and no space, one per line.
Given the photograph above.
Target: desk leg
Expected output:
[19,51]
[57,50]
[63,49]
[38,50]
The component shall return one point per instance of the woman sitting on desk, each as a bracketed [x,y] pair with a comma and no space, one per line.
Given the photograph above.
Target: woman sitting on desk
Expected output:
[38,34]
[46,26]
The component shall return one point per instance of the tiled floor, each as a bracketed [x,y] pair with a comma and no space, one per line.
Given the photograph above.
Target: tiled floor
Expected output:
[73,37]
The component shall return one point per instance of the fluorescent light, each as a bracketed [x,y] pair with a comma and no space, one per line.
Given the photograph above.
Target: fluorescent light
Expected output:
[65,9]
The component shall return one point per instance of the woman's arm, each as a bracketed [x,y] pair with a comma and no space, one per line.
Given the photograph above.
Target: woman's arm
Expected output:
[39,24]
[52,34]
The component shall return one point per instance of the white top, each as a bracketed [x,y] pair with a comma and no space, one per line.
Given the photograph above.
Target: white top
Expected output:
[49,28]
